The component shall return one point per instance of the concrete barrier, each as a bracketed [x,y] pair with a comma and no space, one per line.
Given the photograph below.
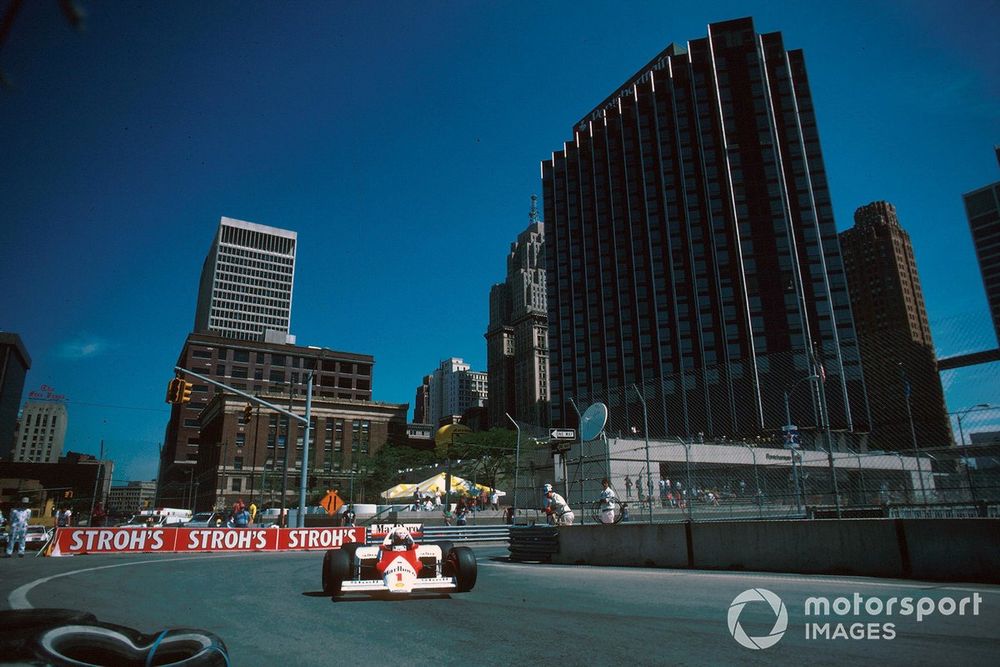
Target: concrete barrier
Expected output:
[953,549]
[859,546]
[932,549]
[657,545]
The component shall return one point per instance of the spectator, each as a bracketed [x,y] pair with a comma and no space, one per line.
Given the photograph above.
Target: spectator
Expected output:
[508,516]
[628,486]
[349,516]
[241,518]
[19,517]
[437,497]
[495,500]
[100,516]
[461,512]
[559,508]
[607,502]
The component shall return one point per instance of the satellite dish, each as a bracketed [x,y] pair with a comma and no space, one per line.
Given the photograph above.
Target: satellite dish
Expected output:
[592,422]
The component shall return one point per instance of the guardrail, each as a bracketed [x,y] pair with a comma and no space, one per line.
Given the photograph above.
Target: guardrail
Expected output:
[500,533]
[534,543]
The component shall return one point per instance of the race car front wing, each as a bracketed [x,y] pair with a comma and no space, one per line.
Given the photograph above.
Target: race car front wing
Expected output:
[430,583]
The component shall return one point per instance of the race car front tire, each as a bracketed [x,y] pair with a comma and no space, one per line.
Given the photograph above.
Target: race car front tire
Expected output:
[445,547]
[336,570]
[462,565]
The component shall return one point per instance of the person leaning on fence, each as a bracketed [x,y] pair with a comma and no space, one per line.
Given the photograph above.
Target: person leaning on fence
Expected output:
[558,508]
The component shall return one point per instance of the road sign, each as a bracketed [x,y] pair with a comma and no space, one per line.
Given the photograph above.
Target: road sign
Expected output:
[562,433]
[331,502]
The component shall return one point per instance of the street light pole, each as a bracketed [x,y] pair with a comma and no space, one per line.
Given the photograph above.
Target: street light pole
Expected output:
[788,424]
[253,465]
[961,443]
[517,464]
[913,432]
[645,433]
[305,452]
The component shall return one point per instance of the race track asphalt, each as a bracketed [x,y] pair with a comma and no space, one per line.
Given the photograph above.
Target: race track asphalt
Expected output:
[269,609]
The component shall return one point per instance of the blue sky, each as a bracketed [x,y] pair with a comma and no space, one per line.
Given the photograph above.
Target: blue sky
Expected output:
[402,142]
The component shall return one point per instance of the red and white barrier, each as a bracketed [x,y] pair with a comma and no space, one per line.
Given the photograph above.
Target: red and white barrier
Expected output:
[74,541]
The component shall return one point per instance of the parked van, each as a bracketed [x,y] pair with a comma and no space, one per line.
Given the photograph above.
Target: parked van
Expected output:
[159,517]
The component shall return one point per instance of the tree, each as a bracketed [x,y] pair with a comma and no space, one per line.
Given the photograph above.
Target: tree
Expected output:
[487,454]
[389,465]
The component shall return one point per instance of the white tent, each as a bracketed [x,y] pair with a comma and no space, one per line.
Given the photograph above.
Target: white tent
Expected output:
[436,483]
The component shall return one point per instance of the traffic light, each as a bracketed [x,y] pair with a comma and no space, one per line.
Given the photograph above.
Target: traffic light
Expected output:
[247,412]
[185,396]
[174,390]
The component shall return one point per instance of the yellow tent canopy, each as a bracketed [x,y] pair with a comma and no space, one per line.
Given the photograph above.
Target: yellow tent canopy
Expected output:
[436,483]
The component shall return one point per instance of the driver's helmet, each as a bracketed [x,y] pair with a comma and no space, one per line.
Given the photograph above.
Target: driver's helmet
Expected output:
[547,488]
[398,537]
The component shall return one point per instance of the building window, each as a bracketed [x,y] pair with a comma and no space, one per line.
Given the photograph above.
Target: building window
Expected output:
[240,439]
[239,372]
[238,463]
[241,356]
[237,484]
[202,354]
[191,423]
[277,360]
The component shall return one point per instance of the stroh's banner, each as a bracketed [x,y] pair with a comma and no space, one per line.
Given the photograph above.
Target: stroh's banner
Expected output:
[73,541]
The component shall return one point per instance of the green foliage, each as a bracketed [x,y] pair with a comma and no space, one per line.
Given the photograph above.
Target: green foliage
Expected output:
[486,455]
[385,466]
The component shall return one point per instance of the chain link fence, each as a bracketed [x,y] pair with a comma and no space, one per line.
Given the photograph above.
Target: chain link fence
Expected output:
[780,442]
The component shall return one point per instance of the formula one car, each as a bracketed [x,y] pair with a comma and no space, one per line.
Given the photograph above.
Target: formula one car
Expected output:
[399,567]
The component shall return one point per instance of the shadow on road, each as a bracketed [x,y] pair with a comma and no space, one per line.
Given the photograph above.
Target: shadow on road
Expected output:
[385,597]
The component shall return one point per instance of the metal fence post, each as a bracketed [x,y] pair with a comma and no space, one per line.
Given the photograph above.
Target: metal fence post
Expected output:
[689,490]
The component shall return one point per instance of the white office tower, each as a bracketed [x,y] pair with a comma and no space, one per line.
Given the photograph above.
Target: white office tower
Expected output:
[41,432]
[246,283]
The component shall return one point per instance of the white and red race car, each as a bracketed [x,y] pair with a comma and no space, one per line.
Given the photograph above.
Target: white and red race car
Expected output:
[399,567]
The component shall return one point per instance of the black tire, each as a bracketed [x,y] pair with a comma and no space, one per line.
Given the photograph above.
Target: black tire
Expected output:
[462,565]
[336,570]
[351,550]
[446,547]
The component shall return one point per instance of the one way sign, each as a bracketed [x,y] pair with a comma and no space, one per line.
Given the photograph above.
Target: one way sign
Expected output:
[562,433]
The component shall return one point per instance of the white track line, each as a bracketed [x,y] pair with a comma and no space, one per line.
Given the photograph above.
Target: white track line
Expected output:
[18,598]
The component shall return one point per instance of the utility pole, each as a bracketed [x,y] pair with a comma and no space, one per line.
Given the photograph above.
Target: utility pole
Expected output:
[253,464]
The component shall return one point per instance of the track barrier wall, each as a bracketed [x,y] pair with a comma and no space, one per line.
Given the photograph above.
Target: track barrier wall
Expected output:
[930,549]
[76,541]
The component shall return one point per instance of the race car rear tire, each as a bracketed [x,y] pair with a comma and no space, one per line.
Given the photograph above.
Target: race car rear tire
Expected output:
[462,564]
[336,570]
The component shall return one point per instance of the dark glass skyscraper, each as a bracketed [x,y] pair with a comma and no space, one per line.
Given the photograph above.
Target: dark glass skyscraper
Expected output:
[692,250]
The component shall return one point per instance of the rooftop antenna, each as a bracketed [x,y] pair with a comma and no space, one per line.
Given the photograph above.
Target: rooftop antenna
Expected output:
[533,213]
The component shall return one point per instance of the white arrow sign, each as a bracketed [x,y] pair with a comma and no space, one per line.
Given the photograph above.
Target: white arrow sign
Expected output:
[562,433]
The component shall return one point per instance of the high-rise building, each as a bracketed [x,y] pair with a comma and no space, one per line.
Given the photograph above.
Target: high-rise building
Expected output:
[275,371]
[14,365]
[691,248]
[517,337]
[246,283]
[422,402]
[982,208]
[131,498]
[897,352]
[454,388]
[41,433]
